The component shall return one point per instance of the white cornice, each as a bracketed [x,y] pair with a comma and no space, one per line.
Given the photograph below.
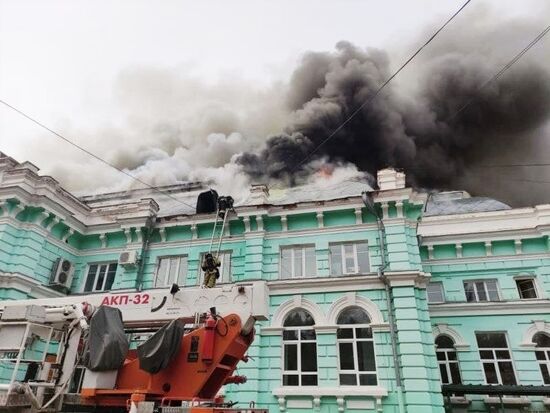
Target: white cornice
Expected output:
[324,284]
[26,285]
[492,258]
[533,221]
[490,308]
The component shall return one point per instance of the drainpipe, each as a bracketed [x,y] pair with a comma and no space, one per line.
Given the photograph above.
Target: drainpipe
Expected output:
[369,203]
[149,227]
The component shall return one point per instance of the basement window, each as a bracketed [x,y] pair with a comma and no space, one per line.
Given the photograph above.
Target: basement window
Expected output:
[526,288]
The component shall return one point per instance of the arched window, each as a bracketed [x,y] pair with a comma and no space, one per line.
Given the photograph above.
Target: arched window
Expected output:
[542,351]
[446,359]
[356,348]
[299,349]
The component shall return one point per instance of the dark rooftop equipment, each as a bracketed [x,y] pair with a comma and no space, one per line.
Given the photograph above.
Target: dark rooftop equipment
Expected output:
[207,202]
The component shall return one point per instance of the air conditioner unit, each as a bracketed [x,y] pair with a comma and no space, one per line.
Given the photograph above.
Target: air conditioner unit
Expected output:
[62,273]
[128,258]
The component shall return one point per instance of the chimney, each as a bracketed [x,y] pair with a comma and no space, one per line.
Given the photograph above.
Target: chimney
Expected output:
[259,193]
[389,178]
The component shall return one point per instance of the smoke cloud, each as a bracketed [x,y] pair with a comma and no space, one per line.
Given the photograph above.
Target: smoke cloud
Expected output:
[230,134]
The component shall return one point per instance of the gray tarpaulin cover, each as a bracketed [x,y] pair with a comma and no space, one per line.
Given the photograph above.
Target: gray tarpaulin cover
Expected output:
[107,345]
[157,352]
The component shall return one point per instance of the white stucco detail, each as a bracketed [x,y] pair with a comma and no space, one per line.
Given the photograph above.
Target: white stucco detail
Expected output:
[298,302]
[444,329]
[536,327]
[352,299]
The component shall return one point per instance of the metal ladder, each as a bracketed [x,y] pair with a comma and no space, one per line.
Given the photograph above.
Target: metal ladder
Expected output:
[219,221]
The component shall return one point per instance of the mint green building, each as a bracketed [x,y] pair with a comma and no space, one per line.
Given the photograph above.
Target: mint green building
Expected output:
[372,308]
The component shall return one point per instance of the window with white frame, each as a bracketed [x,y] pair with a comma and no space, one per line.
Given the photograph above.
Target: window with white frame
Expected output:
[447,360]
[481,290]
[357,362]
[349,258]
[542,352]
[434,292]
[298,261]
[224,268]
[171,270]
[299,349]
[100,277]
[527,288]
[496,358]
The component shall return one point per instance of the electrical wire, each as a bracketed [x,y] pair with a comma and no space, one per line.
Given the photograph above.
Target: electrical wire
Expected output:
[373,96]
[504,69]
[93,155]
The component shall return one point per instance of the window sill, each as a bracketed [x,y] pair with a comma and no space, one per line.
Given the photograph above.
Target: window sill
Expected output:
[508,401]
[459,401]
[346,397]
[341,391]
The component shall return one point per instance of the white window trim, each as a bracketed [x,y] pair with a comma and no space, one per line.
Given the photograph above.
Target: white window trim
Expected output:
[484,281]
[99,264]
[535,285]
[440,284]
[292,249]
[298,343]
[169,257]
[343,258]
[200,278]
[546,362]
[354,342]
[494,360]
[447,362]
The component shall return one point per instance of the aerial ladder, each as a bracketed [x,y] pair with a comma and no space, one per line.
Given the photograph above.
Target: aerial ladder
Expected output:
[50,350]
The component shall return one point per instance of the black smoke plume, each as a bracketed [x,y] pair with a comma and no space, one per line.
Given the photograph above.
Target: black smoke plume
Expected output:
[446,126]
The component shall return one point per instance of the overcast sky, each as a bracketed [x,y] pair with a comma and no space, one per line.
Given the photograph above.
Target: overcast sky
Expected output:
[59,60]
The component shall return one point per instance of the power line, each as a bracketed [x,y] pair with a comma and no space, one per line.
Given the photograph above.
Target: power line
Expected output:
[504,69]
[372,97]
[93,155]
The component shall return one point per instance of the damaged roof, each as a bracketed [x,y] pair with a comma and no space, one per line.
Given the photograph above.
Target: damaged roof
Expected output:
[459,202]
[182,199]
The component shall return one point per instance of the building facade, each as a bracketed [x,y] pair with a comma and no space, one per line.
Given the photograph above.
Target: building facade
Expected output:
[464,281]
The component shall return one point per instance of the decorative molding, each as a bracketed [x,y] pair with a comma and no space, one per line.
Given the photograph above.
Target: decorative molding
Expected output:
[55,220]
[444,329]
[488,248]
[458,248]
[430,252]
[162,233]
[27,285]
[67,235]
[42,217]
[490,308]
[16,209]
[538,326]
[284,223]
[259,223]
[324,284]
[352,299]
[385,207]
[128,234]
[320,219]
[485,259]
[246,221]
[518,246]
[103,239]
[194,233]
[399,208]
[358,216]
[139,234]
[298,302]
